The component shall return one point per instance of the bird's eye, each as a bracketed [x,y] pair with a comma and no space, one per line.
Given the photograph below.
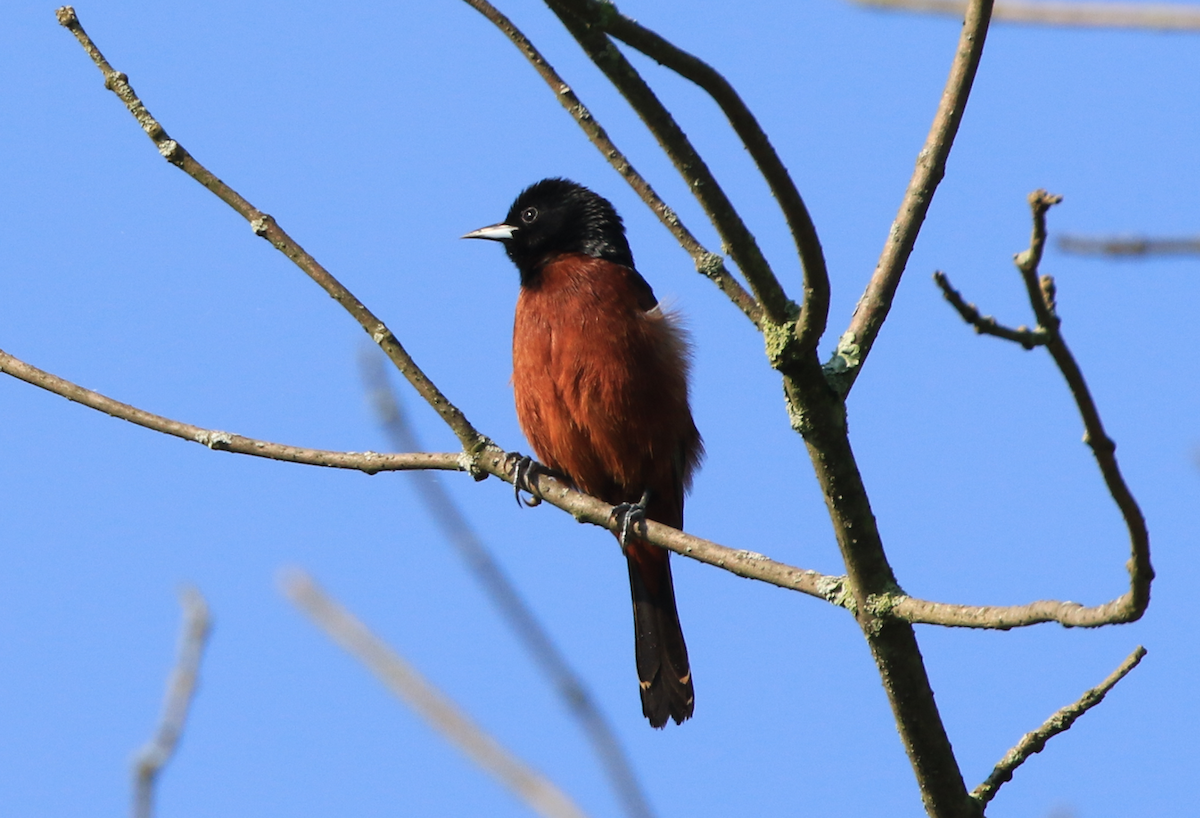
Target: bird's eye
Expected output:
[529,214]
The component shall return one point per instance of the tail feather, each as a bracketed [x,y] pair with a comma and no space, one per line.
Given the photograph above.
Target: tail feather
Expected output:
[662,660]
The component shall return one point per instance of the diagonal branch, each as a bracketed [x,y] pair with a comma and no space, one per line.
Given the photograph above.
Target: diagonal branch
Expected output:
[181,691]
[1060,722]
[265,226]
[504,594]
[855,344]
[438,711]
[987,325]
[735,236]
[707,263]
[745,125]
[369,462]
[1132,604]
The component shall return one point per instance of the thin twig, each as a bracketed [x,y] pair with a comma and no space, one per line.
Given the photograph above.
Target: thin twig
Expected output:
[745,125]
[1060,722]
[265,226]
[987,325]
[1132,604]
[735,236]
[707,263]
[872,309]
[369,462]
[503,593]
[438,711]
[181,691]
[1155,16]
[1125,247]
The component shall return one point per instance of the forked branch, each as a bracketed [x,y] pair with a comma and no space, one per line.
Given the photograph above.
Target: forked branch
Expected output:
[1132,604]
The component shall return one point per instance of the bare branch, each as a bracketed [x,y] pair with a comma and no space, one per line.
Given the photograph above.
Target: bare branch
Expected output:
[707,263]
[504,595]
[181,690]
[369,462]
[987,325]
[1060,722]
[1132,604]
[1128,246]
[804,233]
[438,711]
[872,309]
[1156,16]
[735,236]
[265,226]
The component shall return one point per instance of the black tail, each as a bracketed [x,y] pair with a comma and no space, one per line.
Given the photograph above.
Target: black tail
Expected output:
[662,660]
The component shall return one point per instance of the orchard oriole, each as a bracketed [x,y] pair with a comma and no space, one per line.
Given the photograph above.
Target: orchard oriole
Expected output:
[600,376]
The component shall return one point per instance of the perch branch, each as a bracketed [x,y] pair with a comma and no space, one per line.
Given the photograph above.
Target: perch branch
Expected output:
[872,309]
[1060,722]
[438,711]
[808,246]
[369,462]
[181,691]
[265,226]
[504,595]
[735,236]
[1132,604]
[1156,16]
[707,263]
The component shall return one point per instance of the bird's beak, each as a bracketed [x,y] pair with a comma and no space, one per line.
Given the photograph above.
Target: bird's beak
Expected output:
[496,232]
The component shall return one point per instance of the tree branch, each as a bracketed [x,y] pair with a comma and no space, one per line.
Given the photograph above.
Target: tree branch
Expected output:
[265,226]
[1132,604]
[1156,16]
[855,344]
[735,236]
[1125,247]
[808,246]
[368,462]
[1060,722]
[181,690]
[707,263]
[511,605]
[438,711]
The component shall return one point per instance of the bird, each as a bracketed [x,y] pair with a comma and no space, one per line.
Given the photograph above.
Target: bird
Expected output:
[601,384]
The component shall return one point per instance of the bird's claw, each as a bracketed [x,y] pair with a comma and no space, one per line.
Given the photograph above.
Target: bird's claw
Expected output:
[526,467]
[627,514]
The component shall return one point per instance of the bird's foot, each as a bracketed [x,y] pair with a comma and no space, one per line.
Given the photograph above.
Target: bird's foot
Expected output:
[526,468]
[630,514]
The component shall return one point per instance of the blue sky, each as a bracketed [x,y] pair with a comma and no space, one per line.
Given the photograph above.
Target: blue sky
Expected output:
[376,135]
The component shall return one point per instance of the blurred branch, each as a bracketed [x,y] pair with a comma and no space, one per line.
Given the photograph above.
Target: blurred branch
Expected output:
[1159,16]
[707,263]
[504,595]
[181,690]
[855,344]
[1132,246]
[438,711]
[735,236]
[808,246]
[1060,722]
[369,462]
[1132,604]
[264,225]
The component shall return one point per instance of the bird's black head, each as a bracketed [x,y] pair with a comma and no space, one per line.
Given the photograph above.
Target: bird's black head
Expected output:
[558,216]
